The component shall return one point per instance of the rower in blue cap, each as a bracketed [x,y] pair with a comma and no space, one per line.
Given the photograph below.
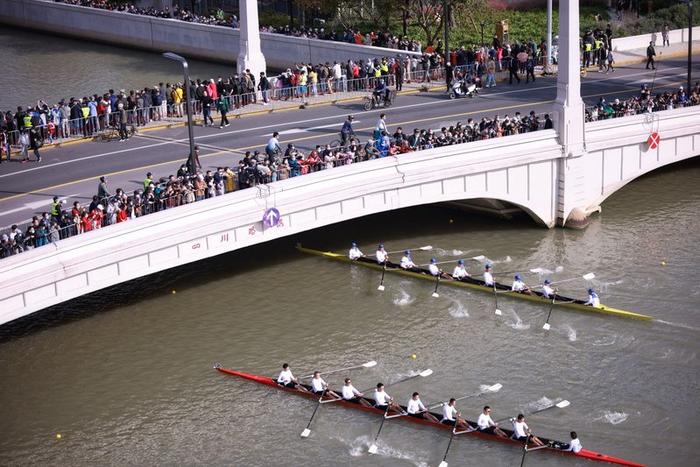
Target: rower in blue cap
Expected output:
[519,285]
[460,272]
[355,253]
[407,260]
[488,275]
[547,290]
[593,299]
[381,254]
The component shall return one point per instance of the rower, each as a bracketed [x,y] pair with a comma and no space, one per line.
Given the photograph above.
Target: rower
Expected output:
[521,432]
[450,416]
[519,285]
[287,379]
[355,253]
[460,272]
[488,275]
[415,408]
[383,401]
[381,254]
[407,261]
[575,444]
[486,424]
[320,387]
[433,267]
[593,299]
[351,394]
[547,290]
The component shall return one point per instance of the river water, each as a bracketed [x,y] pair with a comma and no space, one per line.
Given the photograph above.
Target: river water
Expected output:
[125,376]
[40,66]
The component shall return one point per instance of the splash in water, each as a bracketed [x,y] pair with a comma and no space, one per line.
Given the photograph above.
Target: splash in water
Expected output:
[518,324]
[677,325]
[457,309]
[571,333]
[403,298]
[359,446]
[613,418]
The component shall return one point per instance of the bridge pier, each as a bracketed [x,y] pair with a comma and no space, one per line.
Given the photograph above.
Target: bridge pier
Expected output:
[250,56]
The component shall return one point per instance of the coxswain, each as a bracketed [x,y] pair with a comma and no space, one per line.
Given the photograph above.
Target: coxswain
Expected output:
[355,253]
[593,299]
[521,432]
[486,424]
[381,254]
[351,394]
[415,408]
[575,444]
[383,401]
[320,387]
[407,261]
[460,272]
[287,379]
[488,275]
[519,285]
[450,416]
[547,290]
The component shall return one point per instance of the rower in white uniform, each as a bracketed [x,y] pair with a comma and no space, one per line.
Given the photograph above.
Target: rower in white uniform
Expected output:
[575,444]
[450,416]
[320,387]
[407,260]
[355,253]
[434,268]
[547,289]
[488,275]
[351,394]
[460,272]
[593,299]
[521,432]
[381,254]
[383,401]
[519,285]
[287,379]
[486,424]
[415,408]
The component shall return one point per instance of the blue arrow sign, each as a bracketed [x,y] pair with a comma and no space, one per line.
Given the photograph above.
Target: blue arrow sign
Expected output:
[271,217]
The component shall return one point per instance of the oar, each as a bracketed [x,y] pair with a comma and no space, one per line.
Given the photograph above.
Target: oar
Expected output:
[373,447]
[381,282]
[307,430]
[494,388]
[546,325]
[369,364]
[420,248]
[558,405]
[437,283]
[475,258]
[498,312]
[587,277]
[522,461]
[444,458]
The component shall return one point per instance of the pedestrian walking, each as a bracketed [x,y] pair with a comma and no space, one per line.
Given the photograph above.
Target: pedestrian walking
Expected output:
[102,190]
[664,35]
[264,87]
[513,70]
[651,53]
[610,59]
[35,142]
[197,164]
[530,69]
[24,145]
[222,107]
[206,109]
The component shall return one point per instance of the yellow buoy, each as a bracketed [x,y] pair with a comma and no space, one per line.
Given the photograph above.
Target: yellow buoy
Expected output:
[174,292]
[451,221]
[414,356]
[663,263]
[58,436]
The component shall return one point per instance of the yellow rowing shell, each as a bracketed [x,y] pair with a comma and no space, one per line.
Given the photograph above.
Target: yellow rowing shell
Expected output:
[577,305]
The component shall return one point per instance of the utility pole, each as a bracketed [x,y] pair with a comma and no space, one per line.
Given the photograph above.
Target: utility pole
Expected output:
[549,36]
[690,45]
[446,26]
[191,163]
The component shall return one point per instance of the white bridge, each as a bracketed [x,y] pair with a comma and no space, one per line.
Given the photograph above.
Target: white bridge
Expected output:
[549,174]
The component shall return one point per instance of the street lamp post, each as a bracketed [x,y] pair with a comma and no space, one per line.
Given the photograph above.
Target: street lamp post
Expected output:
[191,165]
[690,45]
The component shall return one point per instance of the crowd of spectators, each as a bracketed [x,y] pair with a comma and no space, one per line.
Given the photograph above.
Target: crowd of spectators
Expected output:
[260,167]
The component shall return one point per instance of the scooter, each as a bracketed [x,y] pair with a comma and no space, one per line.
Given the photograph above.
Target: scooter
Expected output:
[460,88]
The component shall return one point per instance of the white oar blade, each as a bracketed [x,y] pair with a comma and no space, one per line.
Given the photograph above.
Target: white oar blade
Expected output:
[380,288]
[373,449]
[476,258]
[589,276]
[305,433]
[435,295]
[443,464]
[369,364]
[425,373]
[426,248]
[536,270]
[495,388]
[563,404]
[546,326]
[498,312]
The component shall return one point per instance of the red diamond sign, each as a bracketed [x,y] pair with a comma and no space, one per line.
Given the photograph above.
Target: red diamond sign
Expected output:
[653,140]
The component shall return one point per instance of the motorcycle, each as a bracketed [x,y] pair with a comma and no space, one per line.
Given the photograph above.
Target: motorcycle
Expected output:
[461,88]
[373,102]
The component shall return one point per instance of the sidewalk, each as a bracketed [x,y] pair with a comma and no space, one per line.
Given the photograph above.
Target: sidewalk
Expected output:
[634,56]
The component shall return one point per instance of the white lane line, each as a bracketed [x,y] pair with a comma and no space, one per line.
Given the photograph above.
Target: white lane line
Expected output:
[297,122]
[37,204]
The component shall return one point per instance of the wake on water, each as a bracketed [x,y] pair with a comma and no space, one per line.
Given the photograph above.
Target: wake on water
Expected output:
[677,325]
[518,325]
[571,333]
[403,298]
[457,309]
[613,418]
[359,446]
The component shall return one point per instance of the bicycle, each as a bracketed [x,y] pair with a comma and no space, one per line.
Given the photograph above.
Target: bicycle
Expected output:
[111,133]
